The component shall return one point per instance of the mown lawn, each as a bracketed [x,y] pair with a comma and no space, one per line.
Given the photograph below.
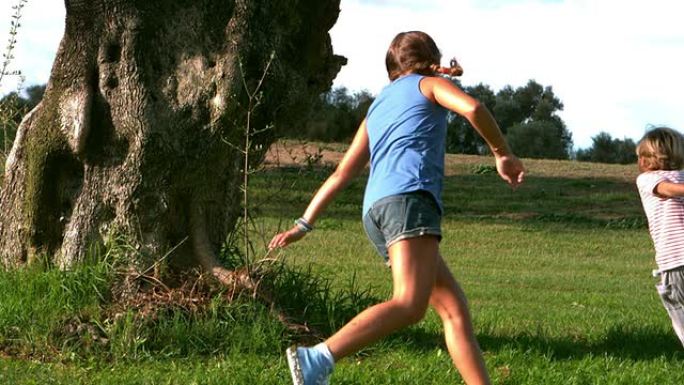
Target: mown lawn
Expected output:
[557,275]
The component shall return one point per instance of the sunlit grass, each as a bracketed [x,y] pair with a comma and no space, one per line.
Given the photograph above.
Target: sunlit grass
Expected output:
[557,275]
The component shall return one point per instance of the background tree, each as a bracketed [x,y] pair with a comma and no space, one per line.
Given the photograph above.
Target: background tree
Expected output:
[13,107]
[507,109]
[138,132]
[335,116]
[537,139]
[461,138]
[27,98]
[533,128]
[527,115]
[606,149]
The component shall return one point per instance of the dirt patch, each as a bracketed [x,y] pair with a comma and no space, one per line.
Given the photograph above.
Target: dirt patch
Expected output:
[289,153]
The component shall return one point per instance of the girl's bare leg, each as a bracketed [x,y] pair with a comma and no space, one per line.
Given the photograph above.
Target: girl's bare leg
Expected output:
[414,265]
[450,303]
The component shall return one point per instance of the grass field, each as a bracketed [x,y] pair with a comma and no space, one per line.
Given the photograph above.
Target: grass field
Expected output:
[557,274]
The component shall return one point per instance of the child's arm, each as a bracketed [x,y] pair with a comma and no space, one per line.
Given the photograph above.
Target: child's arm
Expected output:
[354,160]
[669,189]
[351,165]
[446,94]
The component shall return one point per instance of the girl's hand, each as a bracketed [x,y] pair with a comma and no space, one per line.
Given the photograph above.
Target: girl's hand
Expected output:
[510,169]
[286,237]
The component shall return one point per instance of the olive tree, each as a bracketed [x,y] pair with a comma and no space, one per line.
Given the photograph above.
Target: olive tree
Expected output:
[139,129]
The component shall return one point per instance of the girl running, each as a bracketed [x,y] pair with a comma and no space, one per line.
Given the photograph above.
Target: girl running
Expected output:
[403,136]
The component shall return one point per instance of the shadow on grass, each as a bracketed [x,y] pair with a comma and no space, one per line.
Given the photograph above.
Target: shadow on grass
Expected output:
[635,344]
[639,344]
[574,202]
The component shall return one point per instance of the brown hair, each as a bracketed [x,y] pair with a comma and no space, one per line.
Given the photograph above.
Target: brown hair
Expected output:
[416,52]
[661,148]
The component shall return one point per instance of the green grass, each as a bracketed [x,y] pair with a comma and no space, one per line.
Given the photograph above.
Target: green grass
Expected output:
[557,275]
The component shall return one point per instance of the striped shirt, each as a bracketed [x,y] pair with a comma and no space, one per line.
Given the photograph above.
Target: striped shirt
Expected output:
[665,218]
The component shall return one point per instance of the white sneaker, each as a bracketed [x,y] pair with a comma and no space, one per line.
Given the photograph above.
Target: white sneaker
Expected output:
[308,366]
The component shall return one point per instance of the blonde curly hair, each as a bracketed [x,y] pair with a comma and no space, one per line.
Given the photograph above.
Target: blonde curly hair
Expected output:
[661,148]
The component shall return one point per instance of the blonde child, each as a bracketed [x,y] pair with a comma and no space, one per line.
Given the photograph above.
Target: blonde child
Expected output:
[661,187]
[403,136]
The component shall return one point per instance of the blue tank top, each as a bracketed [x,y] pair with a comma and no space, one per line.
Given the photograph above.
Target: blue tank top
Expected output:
[407,134]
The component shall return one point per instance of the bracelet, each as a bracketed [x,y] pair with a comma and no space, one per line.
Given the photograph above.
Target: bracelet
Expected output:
[303,225]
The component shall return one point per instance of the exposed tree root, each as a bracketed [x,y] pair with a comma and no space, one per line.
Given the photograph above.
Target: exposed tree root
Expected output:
[243,281]
[207,258]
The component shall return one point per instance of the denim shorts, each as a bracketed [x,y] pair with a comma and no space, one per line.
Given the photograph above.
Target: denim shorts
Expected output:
[402,216]
[671,292]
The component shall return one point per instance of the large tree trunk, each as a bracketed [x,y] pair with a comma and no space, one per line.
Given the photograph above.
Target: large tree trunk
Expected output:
[137,133]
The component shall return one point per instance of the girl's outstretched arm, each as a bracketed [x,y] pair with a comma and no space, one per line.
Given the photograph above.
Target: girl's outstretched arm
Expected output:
[354,160]
[669,189]
[446,94]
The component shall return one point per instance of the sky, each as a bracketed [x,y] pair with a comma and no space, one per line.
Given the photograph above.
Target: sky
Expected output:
[615,64]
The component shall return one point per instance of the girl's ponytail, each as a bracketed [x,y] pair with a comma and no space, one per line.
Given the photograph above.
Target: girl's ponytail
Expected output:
[416,52]
[453,70]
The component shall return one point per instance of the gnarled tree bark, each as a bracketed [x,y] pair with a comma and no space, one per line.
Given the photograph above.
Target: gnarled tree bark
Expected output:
[132,135]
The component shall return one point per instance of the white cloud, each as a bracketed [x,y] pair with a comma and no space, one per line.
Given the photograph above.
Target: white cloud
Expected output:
[614,64]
